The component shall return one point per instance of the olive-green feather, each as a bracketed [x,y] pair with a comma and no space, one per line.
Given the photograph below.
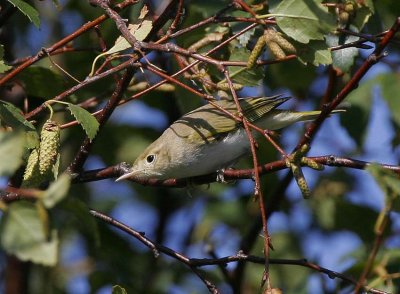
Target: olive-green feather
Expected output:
[211,124]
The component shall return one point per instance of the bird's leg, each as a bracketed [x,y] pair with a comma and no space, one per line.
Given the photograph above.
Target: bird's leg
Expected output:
[220,176]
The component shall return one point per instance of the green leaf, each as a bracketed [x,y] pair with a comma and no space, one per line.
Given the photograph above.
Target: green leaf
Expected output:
[57,191]
[11,152]
[363,14]
[389,89]
[343,58]
[78,214]
[139,31]
[86,119]
[3,67]
[28,10]
[118,290]
[24,233]
[42,82]
[315,52]
[246,77]
[304,20]
[356,118]
[387,180]
[13,117]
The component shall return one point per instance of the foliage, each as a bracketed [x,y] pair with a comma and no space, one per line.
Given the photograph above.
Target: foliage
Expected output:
[57,198]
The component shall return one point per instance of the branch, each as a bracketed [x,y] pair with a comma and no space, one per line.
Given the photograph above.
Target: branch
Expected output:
[61,43]
[194,263]
[229,175]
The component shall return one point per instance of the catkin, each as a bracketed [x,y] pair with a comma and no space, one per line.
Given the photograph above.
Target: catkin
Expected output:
[256,51]
[49,146]
[32,177]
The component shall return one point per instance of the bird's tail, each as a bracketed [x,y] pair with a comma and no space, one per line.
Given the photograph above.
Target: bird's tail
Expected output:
[278,119]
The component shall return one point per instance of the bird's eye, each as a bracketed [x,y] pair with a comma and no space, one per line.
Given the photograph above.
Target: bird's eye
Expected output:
[150,158]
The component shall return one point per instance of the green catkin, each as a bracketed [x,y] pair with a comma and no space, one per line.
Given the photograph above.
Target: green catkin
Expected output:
[284,44]
[256,51]
[276,50]
[32,177]
[49,146]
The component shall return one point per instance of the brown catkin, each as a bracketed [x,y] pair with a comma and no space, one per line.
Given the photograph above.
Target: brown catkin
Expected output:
[49,146]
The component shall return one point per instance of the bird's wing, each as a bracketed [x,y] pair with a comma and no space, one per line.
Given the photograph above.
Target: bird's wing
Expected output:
[210,124]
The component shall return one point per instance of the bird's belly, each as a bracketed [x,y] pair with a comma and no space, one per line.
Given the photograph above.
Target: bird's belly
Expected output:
[218,155]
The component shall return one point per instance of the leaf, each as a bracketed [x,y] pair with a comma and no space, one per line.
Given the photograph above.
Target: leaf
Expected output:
[363,13]
[24,233]
[13,117]
[78,214]
[245,38]
[387,180]
[356,118]
[315,52]
[118,290]
[343,58]
[139,31]
[11,151]
[244,76]
[57,191]
[28,10]
[304,20]
[42,82]
[389,88]
[3,67]
[86,119]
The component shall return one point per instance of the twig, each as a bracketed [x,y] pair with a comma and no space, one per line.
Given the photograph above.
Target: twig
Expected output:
[372,59]
[156,248]
[194,263]
[61,43]
[87,144]
[229,174]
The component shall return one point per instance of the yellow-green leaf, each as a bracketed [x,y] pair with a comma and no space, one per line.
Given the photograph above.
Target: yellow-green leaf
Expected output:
[304,20]
[28,10]
[11,152]
[57,191]
[88,122]
[24,234]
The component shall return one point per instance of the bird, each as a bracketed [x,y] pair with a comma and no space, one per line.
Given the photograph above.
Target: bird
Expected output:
[207,139]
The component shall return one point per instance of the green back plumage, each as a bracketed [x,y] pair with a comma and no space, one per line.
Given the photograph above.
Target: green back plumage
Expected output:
[211,124]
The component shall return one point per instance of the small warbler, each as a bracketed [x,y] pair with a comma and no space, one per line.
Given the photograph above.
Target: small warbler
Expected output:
[206,139]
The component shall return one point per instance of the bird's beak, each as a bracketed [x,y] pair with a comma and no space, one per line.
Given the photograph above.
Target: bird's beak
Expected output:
[125,176]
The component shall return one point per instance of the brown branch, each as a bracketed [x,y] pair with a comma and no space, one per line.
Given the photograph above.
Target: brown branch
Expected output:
[86,82]
[229,174]
[372,59]
[194,263]
[156,248]
[257,187]
[63,42]
[87,144]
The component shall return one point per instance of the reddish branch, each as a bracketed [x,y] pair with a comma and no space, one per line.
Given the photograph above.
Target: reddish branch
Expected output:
[230,174]
[372,59]
[63,42]
[116,97]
